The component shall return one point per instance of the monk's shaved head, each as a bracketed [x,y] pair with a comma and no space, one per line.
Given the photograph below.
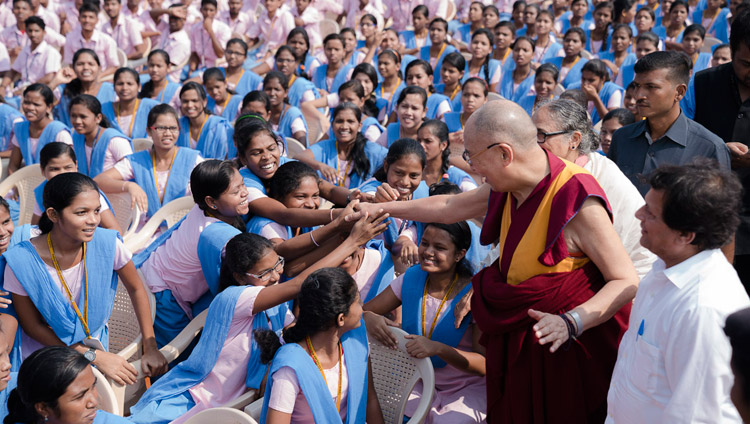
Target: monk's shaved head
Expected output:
[500,121]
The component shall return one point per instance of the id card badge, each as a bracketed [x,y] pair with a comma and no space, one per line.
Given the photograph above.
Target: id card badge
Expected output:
[94,343]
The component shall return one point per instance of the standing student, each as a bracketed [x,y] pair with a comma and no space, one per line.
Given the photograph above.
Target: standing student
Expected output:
[159,87]
[439,48]
[482,65]
[620,56]
[37,130]
[602,94]
[128,114]
[156,176]
[56,384]
[199,129]
[692,42]
[222,101]
[428,294]
[83,78]
[411,110]
[518,83]
[546,47]
[72,263]
[286,119]
[599,36]
[419,73]
[545,82]
[330,76]
[180,267]
[347,159]
[473,96]
[98,145]
[414,39]
[433,135]
[571,64]
[451,75]
[58,158]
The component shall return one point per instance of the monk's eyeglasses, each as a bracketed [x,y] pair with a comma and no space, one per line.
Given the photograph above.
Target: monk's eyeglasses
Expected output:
[468,158]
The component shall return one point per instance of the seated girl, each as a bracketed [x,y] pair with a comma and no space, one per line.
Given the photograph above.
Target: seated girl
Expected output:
[473,96]
[645,20]
[578,9]
[128,114]
[286,119]
[347,159]
[38,129]
[98,145]
[613,121]
[209,378]
[57,158]
[400,179]
[416,38]
[335,72]
[546,46]
[602,94]
[352,56]
[570,66]
[199,129]
[419,73]
[410,109]
[238,79]
[369,30]
[439,48]
[9,116]
[177,265]
[349,92]
[389,67]
[299,40]
[545,82]
[221,100]
[645,43]
[300,89]
[50,273]
[429,294]
[321,372]
[82,78]
[505,34]
[714,19]
[599,39]
[10,335]
[367,75]
[56,384]
[482,65]
[672,33]
[520,82]
[156,176]
[451,75]
[692,42]
[620,56]
[433,136]
[8,365]
[159,87]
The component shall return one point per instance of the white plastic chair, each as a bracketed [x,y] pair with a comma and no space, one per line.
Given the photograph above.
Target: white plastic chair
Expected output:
[107,398]
[127,217]
[25,181]
[171,212]
[328,26]
[122,57]
[586,54]
[451,12]
[140,144]
[394,374]
[254,409]
[127,396]
[221,415]
[709,43]
[293,146]
[142,61]
[314,131]
[494,96]
[467,56]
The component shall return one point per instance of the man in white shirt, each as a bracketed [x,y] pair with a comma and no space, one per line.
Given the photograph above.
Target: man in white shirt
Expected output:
[125,31]
[87,36]
[673,362]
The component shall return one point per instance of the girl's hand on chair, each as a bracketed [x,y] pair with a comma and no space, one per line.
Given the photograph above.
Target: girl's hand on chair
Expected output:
[115,367]
[138,196]
[421,346]
[153,363]
[377,327]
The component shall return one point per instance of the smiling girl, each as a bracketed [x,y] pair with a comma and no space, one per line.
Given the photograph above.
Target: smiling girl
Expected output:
[519,83]
[389,67]
[439,48]
[434,138]
[38,130]
[545,82]
[286,119]
[199,130]
[473,96]
[419,74]
[411,111]
[570,66]
[159,87]
[300,89]
[692,42]
[452,73]
[71,262]
[482,65]
[128,114]
[546,47]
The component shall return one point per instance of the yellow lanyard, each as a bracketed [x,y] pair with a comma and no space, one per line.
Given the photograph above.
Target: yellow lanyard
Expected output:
[574,62]
[320,368]
[291,81]
[132,117]
[85,317]
[240,78]
[440,53]
[390,96]
[456,90]
[440,308]
[342,179]
[711,24]
[163,91]
[156,177]
[200,131]
[224,106]
[461,119]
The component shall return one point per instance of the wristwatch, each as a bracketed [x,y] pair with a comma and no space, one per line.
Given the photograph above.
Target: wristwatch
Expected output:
[90,355]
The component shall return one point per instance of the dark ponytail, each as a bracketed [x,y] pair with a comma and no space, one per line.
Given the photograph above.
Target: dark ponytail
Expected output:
[356,156]
[91,103]
[440,130]
[242,252]
[59,193]
[486,65]
[324,295]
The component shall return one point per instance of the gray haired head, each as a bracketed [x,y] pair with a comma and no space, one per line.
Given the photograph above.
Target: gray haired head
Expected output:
[570,116]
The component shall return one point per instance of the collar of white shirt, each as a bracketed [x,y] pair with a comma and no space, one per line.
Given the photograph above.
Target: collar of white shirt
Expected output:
[688,270]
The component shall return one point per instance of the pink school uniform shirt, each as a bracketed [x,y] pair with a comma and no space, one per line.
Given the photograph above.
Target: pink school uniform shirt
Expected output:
[177,45]
[240,25]
[311,17]
[272,31]
[400,11]
[200,41]
[126,33]
[102,44]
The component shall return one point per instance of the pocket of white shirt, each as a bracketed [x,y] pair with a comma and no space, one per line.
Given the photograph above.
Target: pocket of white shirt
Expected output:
[645,365]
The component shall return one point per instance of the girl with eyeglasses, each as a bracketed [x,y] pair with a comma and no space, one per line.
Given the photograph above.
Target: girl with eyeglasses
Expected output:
[129,113]
[156,176]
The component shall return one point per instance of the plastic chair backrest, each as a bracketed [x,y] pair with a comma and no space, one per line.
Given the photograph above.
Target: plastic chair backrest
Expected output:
[709,43]
[293,147]
[171,212]
[25,181]
[328,26]
[140,144]
[314,132]
[394,374]
[127,217]
[221,415]
[122,57]
[451,13]
[586,54]
[124,330]
[107,400]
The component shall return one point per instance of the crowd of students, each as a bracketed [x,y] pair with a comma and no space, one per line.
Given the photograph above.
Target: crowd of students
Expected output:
[224,86]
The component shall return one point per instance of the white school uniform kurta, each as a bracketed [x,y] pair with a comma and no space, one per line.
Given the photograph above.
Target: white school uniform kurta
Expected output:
[126,33]
[62,137]
[200,41]
[673,361]
[272,31]
[50,18]
[102,44]
[12,37]
[34,65]
[73,278]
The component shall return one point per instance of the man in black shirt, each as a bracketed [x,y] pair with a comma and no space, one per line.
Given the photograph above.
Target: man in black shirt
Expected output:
[722,105]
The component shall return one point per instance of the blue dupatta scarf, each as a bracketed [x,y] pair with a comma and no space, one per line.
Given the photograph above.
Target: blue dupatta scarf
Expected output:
[105,94]
[288,116]
[424,54]
[96,166]
[574,73]
[230,109]
[213,140]
[385,272]
[49,134]
[394,132]
[456,105]
[492,66]
[325,152]
[249,81]
[8,114]
[166,94]
[515,95]
[54,306]
[719,27]
[321,82]
[177,182]
[313,386]
[445,331]
[390,104]
[299,87]
[20,234]
[453,121]
[141,117]
[433,101]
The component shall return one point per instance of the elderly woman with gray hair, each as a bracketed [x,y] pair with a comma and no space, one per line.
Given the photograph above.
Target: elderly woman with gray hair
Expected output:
[564,128]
